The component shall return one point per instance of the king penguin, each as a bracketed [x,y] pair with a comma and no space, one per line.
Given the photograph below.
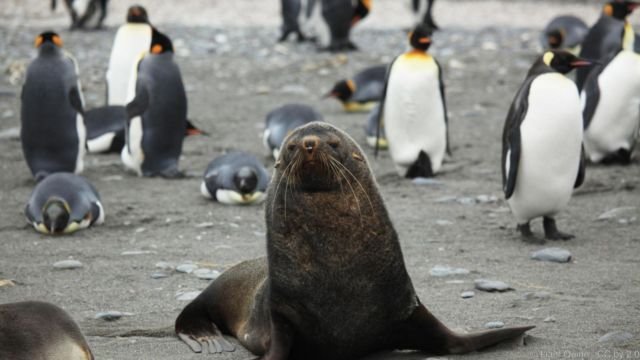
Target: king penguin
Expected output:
[85,13]
[235,178]
[564,32]
[53,132]
[363,91]
[38,330]
[331,21]
[292,11]
[131,39]
[542,155]
[413,110]
[63,203]
[611,92]
[423,9]
[157,113]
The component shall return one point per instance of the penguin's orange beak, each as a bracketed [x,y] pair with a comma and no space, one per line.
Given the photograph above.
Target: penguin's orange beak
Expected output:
[424,40]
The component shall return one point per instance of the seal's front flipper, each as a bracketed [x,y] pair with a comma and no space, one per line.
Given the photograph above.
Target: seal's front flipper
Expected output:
[423,331]
[194,327]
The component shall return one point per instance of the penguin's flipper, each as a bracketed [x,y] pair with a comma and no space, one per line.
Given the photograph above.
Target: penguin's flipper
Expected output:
[444,105]
[381,110]
[591,90]
[75,99]
[139,104]
[581,171]
[511,142]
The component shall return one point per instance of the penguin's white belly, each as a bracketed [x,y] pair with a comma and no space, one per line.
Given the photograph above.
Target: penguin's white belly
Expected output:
[131,40]
[551,138]
[82,138]
[132,154]
[616,119]
[414,115]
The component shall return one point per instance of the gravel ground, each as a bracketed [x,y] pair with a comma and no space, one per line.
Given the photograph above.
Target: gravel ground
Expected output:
[234,74]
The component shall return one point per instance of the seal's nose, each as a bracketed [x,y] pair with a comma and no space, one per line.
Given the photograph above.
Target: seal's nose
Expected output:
[310,144]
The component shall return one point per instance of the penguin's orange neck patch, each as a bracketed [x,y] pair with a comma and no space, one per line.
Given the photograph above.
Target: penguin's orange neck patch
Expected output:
[416,53]
[38,41]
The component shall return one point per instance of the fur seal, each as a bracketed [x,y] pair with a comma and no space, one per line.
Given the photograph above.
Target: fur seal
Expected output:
[334,283]
[39,330]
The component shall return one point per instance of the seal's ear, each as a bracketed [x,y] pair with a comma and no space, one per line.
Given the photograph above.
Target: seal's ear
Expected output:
[357,156]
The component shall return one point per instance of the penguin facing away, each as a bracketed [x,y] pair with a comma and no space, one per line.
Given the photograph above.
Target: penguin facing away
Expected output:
[607,37]
[235,178]
[611,92]
[284,119]
[361,92]
[63,203]
[564,32]
[38,330]
[132,38]
[156,114]
[52,126]
[83,12]
[424,13]
[413,110]
[542,155]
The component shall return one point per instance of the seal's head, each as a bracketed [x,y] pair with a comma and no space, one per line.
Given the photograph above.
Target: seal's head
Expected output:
[320,157]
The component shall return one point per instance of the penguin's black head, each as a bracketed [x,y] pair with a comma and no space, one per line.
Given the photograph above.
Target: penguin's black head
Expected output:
[160,43]
[246,180]
[620,9]
[555,38]
[48,37]
[563,61]
[342,90]
[137,14]
[420,37]
[55,215]
[361,11]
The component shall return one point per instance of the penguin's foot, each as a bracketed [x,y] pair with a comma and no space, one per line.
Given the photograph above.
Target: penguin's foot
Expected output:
[551,231]
[421,167]
[301,37]
[527,234]
[620,157]
[338,46]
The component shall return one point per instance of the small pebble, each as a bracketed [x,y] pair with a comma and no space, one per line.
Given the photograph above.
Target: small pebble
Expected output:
[494,325]
[468,294]
[111,315]
[186,268]
[163,265]
[492,285]
[159,275]
[205,225]
[187,296]
[420,181]
[550,319]
[67,264]
[6,282]
[485,199]
[540,295]
[206,274]
[616,336]
[466,200]
[552,254]
[615,213]
[137,252]
[441,271]
[444,222]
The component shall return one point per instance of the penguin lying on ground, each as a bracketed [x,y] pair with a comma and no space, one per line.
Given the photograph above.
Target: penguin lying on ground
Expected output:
[53,131]
[542,155]
[63,203]
[156,114]
[564,32]
[362,91]
[85,13]
[413,110]
[611,92]
[281,121]
[235,178]
[38,330]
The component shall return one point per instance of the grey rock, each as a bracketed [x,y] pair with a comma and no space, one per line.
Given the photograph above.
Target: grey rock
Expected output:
[68,265]
[550,319]
[494,325]
[442,271]
[492,285]
[137,252]
[159,275]
[468,294]
[420,181]
[486,199]
[206,274]
[111,315]
[616,336]
[552,254]
[205,225]
[187,295]
[444,222]
[466,200]
[186,268]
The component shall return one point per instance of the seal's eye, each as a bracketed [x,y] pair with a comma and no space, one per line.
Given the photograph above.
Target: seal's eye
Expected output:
[333,143]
